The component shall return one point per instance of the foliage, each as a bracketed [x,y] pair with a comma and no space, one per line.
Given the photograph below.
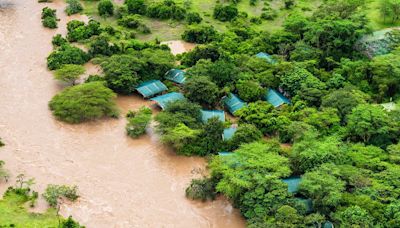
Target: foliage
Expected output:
[225,13]
[69,73]
[201,189]
[200,34]
[166,10]
[66,54]
[100,46]
[201,90]
[138,121]
[73,7]
[250,91]
[54,193]
[136,6]
[84,102]
[58,40]
[49,18]
[4,174]
[79,31]
[245,133]
[105,8]
[193,18]
[207,52]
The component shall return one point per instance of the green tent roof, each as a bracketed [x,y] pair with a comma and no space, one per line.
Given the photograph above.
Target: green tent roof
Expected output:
[233,103]
[163,100]
[327,224]
[276,98]
[293,183]
[175,75]
[208,114]
[228,133]
[224,153]
[263,55]
[151,88]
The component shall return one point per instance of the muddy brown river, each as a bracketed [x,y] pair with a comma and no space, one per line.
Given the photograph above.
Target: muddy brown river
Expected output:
[122,182]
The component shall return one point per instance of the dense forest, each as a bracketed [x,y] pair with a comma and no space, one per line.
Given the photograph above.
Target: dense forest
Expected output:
[327,154]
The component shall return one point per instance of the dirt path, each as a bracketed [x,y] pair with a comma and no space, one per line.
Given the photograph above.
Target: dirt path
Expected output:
[123,182]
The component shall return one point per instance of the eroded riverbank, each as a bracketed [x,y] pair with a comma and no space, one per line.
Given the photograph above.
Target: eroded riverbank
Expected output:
[123,182]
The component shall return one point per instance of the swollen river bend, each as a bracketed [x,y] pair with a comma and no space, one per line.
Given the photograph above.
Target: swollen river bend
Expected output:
[122,182]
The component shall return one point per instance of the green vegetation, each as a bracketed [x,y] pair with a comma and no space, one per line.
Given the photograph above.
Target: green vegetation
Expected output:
[69,73]
[84,102]
[73,7]
[138,121]
[66,54]
[4,174]
[106,8]
[54,193]
[49,18]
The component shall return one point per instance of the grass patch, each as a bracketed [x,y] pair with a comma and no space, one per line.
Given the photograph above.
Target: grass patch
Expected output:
[13,211]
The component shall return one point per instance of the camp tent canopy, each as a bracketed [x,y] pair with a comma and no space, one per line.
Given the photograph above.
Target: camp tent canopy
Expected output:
[224,153]
[293,183]
[208,114]
[175,75]
[233,103]
[275,98]
[151,88]
[328,224]
[228,133]
[163,100]
[263,55]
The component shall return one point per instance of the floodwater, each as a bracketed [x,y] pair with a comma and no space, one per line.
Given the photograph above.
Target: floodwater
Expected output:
[179,46]
[122,182]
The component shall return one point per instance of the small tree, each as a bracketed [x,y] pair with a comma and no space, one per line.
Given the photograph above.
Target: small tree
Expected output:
[201,90]
[74,6]
[105,8]
[138,121]
[69,73]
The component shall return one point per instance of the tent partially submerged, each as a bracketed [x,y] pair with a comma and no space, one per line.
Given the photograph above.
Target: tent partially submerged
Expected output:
[228,133]
[293,183]
[208,114]
[151,88]
[267,57]
[276,98]
[233,103]
[175,75]
[163,100]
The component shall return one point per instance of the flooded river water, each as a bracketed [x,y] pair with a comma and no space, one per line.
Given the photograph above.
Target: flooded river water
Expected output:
[122,182]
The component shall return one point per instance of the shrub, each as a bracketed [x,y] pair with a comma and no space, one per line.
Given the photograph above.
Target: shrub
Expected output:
[200,34]
[130,21]
[225,13]
[66,54]
[105,8]
[78,31]
[138,121]
[136,6]
[58,40]
[1,143]
[4,174]
[74,6]
[250,90]
[201,90]
[166,10]
[69,73]
[100,46]
[246,133]
[205,52]
[84,102]
[54,192]
[201,189]
[49,18]
[70,223]
[193,18]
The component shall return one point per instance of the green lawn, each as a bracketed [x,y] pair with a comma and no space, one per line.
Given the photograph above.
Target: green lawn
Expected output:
[13,211]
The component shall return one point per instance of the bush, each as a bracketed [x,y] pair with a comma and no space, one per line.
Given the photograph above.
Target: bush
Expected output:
[78,31]
[66,54]
[100,46]
[201,189]
[200,34]
[138,122]
[58,40]
[54,192]
[225,13]
[205,52]
[130,21]
[166,10]
[70,223]
[136,6]
[105,8]
[84,102]
[49,19]
[74,6]
[201,90]
[4,174]
[246,133]
[69,73]
[193,18]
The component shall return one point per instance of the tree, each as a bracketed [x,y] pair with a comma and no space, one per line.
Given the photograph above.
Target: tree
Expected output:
[390,9]
[54,192]
[179,136]
[79,31]
[136,6]
[193,18]
[385,71]
[201,189]
[166,10]
[210,139]
[105,8]
[84,102]
[245,133]
[225,13]
[69,73]
[323,188]
[200,52]
[325,121]
[354,216]
[201,90]
[138,121]
[49,18]
[74,6]
[200,34]
[100,46]
[221,72]
[66,54]
[250,90]
[371,124]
